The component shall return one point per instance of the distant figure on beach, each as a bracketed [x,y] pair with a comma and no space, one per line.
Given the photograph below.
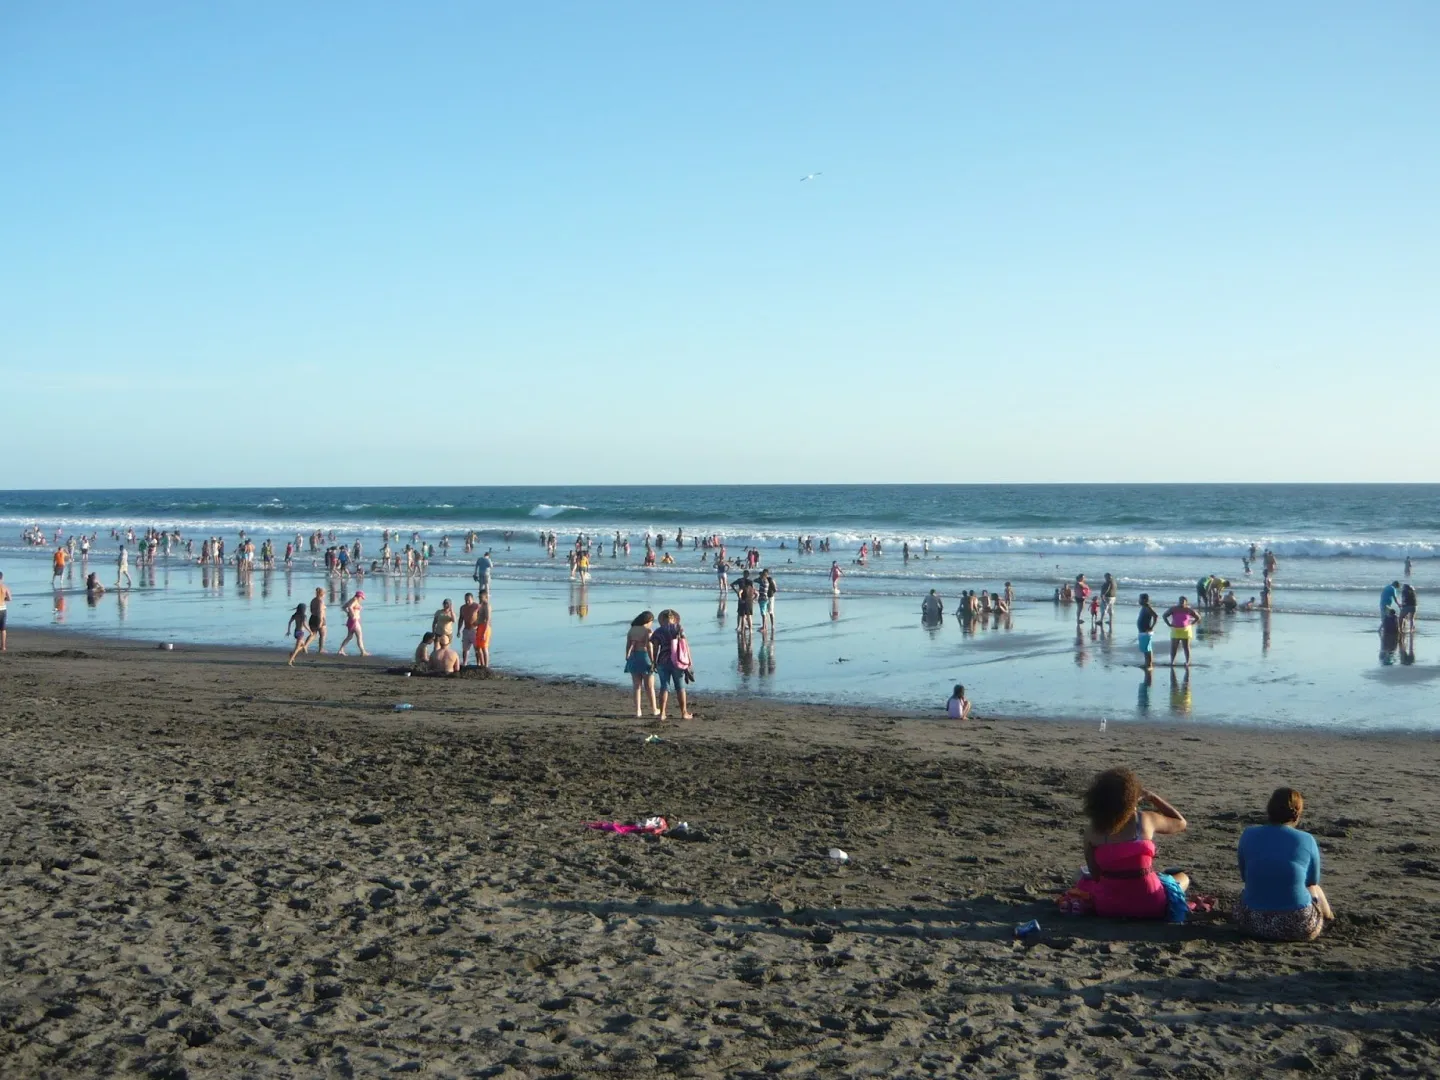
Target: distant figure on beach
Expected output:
[4,610]
[443,625]
[1182,620]
[1108,593]
[640,661]
[1280,866]
[94,590]
[1409,603]
[317,620]
[1082,593]
[1120,849]
[352,624]
[932,608]
[296,628]
[958,707]
[122,567]
[469,611]
[483,566]
[767,589]
[672,662]
[722,577]
[57,566]
[744,614]
[1389,598]
[483,622]
[1145,623]
[835,576]
[1409,565]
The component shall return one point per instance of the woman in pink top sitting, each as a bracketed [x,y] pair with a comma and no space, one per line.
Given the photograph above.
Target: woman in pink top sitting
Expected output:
[1120,850]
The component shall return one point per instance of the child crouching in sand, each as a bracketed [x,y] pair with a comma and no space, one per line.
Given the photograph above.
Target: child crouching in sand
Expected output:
[958,707]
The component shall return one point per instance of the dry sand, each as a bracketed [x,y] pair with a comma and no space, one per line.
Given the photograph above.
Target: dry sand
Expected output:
[214,866]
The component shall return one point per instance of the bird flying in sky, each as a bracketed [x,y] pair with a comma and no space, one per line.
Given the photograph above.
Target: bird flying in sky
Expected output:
[810,177]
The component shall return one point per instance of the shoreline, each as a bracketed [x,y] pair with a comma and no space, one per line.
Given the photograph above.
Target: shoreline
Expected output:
[213,868]
[51,640]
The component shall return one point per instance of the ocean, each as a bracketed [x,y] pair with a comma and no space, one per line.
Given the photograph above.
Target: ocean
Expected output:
[1337,545]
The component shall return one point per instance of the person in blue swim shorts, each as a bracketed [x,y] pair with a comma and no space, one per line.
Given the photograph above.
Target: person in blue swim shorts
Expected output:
[1146,625]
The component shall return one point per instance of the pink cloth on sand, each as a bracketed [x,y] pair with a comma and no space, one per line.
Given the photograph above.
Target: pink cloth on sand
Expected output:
[625,827]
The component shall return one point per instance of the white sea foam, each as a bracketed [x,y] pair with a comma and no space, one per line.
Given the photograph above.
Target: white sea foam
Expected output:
[545,510]
[844,543]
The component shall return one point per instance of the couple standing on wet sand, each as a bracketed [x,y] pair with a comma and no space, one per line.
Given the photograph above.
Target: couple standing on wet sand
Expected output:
[1182,620]
[663,652]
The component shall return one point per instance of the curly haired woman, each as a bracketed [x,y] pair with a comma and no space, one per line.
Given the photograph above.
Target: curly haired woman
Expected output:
[1120,850]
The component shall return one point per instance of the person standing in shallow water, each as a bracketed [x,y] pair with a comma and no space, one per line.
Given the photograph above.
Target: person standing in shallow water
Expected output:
[1182,620]
[1145,624]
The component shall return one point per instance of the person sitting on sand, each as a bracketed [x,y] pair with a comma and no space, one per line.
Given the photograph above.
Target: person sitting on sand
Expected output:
[424,649]
[445,661]
[932,608]
[958,707]
[1120,849]
[1280,866]
[94,589]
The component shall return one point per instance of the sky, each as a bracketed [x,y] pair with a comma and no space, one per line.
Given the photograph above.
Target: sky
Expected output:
[465,243]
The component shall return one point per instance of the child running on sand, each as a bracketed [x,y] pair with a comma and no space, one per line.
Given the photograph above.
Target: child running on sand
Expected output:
[301,632]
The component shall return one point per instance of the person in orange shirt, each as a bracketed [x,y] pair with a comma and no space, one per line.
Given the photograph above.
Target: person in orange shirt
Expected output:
[58,568]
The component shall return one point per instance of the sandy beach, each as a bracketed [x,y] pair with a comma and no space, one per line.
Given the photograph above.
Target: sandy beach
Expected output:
[217,867]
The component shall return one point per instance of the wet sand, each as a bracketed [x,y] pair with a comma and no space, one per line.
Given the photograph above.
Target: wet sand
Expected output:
[215,866]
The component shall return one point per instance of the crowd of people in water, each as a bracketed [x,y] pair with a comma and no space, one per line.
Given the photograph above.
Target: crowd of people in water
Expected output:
[741,576]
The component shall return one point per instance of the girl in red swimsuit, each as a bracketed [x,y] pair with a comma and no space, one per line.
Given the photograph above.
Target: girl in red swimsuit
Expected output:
[1120,849]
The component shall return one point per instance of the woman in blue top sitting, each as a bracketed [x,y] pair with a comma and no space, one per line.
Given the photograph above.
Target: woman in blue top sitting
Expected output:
[1280,866]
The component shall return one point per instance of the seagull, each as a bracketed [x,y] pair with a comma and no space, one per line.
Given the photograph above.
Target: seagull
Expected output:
[810,177]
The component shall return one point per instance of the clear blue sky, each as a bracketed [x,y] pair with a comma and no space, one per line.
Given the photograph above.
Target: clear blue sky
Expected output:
[308,243]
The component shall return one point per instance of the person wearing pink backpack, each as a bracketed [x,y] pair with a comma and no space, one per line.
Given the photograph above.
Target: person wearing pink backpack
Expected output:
[672,661]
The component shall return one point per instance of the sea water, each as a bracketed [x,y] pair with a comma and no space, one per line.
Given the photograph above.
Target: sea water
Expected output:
[1315,660]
